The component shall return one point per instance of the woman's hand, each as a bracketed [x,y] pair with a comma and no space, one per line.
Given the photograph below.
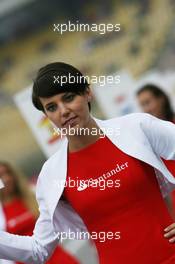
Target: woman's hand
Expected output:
[170,233]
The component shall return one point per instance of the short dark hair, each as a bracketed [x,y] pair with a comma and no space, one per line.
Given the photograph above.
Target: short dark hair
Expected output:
[158,92]
[44,85]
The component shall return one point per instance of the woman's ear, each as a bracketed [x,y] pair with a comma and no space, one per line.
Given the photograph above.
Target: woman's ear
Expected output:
[89,94]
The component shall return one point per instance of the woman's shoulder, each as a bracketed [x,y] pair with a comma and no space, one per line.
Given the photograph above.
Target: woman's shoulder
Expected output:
[132,118]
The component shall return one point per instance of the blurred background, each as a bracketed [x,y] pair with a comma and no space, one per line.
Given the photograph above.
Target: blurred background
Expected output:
[142,51]
[27,42]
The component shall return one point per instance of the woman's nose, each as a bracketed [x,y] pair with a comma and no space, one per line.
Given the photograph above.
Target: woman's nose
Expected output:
[64,110]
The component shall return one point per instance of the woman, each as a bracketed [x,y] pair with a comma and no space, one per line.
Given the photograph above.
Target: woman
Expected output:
[153,100]
[18,210]
[121,153]
[18,207]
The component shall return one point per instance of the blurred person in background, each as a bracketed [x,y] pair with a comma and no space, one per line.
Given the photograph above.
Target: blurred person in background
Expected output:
[153,100]
[19,210]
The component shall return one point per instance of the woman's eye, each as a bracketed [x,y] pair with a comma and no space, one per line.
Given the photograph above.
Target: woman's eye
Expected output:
[69,97]
[51,108]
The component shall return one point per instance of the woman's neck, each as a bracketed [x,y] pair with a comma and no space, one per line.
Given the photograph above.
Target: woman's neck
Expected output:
[89,135]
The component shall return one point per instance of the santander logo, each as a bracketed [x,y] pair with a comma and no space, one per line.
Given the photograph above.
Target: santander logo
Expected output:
[104,180]
[84,185]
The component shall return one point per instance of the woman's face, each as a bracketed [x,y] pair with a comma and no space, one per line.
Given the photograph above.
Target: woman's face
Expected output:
[151,104]
[68,109]
[8,180]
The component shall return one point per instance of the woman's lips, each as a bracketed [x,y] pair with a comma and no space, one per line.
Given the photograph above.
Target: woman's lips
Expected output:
[70,122]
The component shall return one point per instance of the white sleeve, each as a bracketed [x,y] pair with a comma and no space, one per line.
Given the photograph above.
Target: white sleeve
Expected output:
[161,135]
[34,249]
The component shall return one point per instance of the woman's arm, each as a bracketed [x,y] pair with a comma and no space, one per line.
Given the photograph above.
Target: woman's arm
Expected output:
[161,135]
[170,206]
[35,249]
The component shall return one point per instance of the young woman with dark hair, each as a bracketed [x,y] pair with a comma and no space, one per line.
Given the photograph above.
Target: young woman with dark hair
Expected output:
[155,101]
[130,211]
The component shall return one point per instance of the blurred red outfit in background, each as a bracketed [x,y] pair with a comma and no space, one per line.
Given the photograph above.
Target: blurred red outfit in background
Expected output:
[19,211]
